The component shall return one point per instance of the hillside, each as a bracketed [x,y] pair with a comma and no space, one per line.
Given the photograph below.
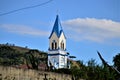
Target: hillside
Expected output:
[33,59]
[11,55]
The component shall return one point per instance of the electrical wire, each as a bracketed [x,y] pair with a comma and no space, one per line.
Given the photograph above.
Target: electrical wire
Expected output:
[26,8]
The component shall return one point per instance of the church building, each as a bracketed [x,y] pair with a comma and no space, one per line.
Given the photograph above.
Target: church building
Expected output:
[57,55]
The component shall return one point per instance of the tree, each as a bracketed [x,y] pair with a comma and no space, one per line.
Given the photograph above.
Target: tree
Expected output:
[91,69]
[110,71]
[32,59]
[82,70]
[116,61]
[9,56]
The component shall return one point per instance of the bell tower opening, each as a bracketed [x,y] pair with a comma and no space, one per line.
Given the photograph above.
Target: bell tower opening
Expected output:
[62,45]
[54,45]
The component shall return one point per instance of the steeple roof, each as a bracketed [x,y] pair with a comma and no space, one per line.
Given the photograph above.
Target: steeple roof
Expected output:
[57,28]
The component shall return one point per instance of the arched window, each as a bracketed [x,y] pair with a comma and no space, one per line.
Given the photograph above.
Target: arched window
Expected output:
[54,45]
[62,45]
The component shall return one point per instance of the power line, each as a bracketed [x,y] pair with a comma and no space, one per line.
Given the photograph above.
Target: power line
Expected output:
[26,8]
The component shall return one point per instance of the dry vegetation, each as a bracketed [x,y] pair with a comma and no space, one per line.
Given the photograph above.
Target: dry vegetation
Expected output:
[10,73]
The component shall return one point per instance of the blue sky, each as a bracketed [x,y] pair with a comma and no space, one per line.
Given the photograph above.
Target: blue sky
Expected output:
[89,25]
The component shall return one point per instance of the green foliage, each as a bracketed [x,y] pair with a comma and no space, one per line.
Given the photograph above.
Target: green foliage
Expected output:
[10,56]
[91,71]
[34,58]
[116,61]
[13,55]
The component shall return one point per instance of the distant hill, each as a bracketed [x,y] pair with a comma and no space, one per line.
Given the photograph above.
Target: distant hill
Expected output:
[23,57]
[11,55]
[18,48]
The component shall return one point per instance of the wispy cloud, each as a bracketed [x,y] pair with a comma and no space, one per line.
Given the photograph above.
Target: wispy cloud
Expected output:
[23,30]
[98,30]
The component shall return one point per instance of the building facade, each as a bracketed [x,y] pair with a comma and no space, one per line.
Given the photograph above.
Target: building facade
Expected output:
[57,55]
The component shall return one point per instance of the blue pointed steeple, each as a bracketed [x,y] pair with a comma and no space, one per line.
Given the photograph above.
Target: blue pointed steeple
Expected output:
[57,28]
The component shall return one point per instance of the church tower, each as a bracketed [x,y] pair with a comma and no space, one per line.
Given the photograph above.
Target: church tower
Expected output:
[57,55]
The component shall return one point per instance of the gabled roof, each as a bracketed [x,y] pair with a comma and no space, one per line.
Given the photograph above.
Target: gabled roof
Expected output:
[57,28]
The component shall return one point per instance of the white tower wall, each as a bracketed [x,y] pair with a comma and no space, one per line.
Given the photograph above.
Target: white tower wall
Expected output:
[57,55]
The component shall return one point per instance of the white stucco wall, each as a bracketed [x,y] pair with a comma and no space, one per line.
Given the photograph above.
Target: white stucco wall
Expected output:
[53,37]
[62,60]
[58,40]
[62,38]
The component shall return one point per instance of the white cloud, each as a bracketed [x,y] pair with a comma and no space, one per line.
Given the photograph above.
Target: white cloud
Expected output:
[99,30]
[24,30]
